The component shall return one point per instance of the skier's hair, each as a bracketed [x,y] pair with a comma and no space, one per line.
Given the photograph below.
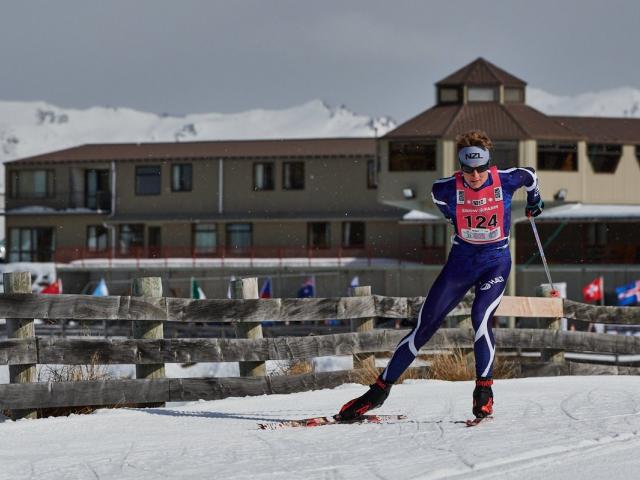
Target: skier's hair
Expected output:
[474,138]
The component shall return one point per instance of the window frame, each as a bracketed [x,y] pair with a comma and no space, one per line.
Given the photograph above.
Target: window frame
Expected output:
[327,232]
[344,239]
[557,147]
[14,184]
[284,175]
[194,236]
[438,236]
[520,91]
[458,96]
[35,253]
[494,94]
[125,250]
[272,172]
[599,153]
[97,247]
[408,164]
[372,174]
[227,235]
[138,176]
[180,167]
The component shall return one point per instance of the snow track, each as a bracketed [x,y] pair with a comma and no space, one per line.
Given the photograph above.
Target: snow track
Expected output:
[544,428]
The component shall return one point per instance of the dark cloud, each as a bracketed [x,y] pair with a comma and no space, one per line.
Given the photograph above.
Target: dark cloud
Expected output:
[378,57]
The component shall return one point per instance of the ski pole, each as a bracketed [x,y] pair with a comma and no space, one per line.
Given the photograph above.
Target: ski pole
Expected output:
[554,292]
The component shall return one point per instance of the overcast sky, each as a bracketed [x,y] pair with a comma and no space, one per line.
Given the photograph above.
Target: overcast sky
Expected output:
[376,57]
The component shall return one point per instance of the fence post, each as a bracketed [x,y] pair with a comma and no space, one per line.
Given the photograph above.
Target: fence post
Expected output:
[549,355]
[245,289]
[148,287]
[20,282]
[363,360]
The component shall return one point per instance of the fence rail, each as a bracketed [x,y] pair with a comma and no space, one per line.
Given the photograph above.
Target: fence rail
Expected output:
[149,351]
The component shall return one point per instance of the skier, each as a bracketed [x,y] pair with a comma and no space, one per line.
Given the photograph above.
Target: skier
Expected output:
[477,202]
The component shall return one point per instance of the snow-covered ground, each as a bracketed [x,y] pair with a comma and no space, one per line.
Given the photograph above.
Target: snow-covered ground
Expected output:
[544,428]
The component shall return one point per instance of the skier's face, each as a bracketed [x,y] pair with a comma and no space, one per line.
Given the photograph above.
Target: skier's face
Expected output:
[475,179]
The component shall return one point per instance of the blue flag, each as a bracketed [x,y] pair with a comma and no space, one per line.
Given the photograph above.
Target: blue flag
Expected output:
[629,294]
[308,288]
[101,289]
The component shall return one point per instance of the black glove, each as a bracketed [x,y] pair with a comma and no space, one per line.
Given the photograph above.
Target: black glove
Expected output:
[534,210]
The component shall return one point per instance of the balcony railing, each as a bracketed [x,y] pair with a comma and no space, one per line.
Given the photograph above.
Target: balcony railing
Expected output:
[62,201]
[338,255]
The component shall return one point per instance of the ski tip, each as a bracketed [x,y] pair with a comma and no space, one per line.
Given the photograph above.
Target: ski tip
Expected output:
[476,421]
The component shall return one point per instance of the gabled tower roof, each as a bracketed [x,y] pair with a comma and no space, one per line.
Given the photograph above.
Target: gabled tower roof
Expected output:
[481,72]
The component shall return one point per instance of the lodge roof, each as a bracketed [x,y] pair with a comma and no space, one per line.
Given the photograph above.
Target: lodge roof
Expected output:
[481,72]
[295,148]
[603,129]
[511,121]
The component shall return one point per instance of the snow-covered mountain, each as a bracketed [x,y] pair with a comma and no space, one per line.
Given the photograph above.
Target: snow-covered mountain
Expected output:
[616,102]
[31,128]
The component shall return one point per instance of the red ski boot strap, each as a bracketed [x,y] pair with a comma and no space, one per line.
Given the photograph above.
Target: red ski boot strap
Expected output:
[382,384]
[484,382]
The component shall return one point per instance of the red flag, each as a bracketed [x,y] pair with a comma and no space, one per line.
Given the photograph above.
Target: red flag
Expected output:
[54,288]
[592,292]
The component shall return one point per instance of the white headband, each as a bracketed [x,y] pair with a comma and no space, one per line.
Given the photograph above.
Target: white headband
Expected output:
[473,156]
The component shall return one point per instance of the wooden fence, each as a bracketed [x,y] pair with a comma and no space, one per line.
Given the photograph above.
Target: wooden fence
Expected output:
[147,310]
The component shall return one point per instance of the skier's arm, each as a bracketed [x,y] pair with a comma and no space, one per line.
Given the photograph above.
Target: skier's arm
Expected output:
[436,197]
[527,178]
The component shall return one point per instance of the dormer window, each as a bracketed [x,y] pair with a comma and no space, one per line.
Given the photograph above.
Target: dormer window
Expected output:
[449,95]
[482,94]
[513,95]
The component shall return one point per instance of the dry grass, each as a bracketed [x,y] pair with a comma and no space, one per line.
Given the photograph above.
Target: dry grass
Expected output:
[72,373]
[452,365]
[293,367]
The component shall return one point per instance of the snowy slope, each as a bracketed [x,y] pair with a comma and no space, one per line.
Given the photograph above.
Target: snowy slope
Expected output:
[30,128]
[616,102]
[569,428]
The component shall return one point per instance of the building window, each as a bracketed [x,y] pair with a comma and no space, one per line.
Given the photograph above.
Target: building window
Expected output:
[239,235]
[434,235]
[31,244]
[597,234]
[205,238]
[604,158]
[97,195]
[482,94]
[319,235]
[130,238]
[353,234]
[513,95]
[558,156]
[181,177]
[263,176]
[372,177]
[97,238]
[148,180]
[449,95]
[504,155]
[293,175]
[412,156]
[32,183]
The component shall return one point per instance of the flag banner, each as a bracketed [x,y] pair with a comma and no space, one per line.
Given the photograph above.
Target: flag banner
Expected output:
[355,282]
[265,291]
[196,291]
[629,294]
[54,288]
[101,289]
[308,288]
[592,292]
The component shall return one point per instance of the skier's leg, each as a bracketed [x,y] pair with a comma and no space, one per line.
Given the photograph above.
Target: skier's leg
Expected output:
[449,288]
[446,292]
[489,291]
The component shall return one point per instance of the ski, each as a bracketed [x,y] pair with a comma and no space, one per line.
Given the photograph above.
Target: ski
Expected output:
[476,421]
[319,421]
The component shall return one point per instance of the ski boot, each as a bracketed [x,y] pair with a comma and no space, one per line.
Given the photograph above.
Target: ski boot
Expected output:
[483,398]
[373,398]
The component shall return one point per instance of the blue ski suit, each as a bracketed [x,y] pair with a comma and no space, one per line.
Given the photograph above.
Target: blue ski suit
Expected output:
[483,266]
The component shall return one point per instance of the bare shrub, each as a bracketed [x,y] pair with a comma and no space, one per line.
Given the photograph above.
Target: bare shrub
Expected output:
[73,373]
[293,367]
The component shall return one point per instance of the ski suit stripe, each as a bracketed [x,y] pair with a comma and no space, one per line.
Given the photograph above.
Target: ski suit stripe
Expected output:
[483,331]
